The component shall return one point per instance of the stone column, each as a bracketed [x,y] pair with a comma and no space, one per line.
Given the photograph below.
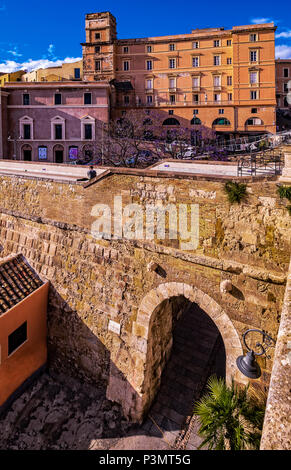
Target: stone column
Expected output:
[286,173]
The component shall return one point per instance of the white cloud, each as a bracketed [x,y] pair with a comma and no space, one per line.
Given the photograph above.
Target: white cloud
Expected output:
[284,34]
[283,52]
[14,52]
[12,66]
[261,20]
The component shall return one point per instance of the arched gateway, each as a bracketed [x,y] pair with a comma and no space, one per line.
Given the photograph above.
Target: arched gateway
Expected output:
[154,343]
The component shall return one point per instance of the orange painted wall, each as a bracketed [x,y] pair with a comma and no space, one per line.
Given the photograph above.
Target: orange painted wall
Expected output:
[30,356]
[235,44]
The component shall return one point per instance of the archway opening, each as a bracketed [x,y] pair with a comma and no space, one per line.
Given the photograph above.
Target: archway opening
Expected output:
[59,154]
[185,348]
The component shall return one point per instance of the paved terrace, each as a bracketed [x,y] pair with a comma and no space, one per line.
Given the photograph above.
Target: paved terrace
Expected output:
[167,168]
[57,172]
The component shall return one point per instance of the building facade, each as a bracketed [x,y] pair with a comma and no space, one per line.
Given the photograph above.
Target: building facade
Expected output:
[11,77]
[54,122]
[66,71]
[283,87]
[224,79]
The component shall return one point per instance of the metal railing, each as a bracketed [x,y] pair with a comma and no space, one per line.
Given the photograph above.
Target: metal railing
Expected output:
[268,162]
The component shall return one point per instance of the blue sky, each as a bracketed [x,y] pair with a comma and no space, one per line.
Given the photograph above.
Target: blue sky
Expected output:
[38,33]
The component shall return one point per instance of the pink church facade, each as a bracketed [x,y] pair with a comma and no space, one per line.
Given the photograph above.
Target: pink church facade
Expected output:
[51,122]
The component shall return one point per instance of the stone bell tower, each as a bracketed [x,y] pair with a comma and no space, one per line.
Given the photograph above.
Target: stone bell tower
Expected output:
[98,50]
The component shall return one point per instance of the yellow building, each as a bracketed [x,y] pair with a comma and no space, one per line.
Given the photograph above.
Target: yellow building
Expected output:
[66,71]
[11,77]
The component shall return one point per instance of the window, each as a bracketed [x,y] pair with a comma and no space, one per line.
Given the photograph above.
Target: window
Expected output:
[98,65]
[149,99]
[97,35]
[149,48]
[26,131]
[149,84]
[17,338]
[253,37]
[285,87]
[229,80]
[228,42]
[221,111]
[88,131]
[216,60]
[173,99]
[196,82]
[172,83]
[229,61]
[87,98]
[58,98]
[253,56]
[25,99]
[195,45]
[221,122]
[126,65]
[172,63]
[254,110]
[126,99]
[195,62]
[196,98]
[253,77]
[97,49]
[149,64]
[217,80]
[77,74]
[172,47]
[125,50]
[216,43]
[58,131]
[171,112]
[195,111]
[286,73]
[229,96]
[254,95]
[254,122]
[217,97]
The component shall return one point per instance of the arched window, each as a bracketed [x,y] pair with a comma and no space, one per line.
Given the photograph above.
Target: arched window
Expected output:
[171,122]
[254,121]
[221,122]
[195,121]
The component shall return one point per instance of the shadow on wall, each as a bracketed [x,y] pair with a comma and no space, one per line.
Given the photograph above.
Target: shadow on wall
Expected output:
[58,414]
[178,364]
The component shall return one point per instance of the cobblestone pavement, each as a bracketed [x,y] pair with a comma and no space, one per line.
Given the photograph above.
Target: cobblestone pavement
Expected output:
[60,413]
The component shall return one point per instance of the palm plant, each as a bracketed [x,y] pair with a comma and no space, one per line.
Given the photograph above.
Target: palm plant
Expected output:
[230,417]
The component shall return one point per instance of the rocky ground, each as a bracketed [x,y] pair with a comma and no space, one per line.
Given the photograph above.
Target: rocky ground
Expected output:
[60,413]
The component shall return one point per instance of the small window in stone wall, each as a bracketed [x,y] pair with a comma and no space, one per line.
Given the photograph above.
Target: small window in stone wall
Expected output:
[17,338]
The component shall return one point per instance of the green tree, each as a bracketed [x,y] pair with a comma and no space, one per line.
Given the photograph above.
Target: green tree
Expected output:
[231,417]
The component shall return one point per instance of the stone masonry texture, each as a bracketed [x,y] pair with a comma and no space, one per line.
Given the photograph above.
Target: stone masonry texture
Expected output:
[95,281]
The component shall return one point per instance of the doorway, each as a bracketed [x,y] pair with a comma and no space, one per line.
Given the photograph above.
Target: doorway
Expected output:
[59,156]
[27,155]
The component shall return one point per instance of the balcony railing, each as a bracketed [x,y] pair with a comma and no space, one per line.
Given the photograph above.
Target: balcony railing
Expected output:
[178,103]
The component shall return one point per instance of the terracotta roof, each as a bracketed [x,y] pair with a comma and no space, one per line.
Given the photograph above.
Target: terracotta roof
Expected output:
[17,281]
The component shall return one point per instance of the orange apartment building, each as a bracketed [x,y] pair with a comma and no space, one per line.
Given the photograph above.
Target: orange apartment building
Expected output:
[221,79]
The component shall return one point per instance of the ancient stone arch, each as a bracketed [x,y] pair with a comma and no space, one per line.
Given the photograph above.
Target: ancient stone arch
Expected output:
[232,344]
[134,385]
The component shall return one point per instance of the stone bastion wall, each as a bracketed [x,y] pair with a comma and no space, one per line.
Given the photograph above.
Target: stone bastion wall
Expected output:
[104,293]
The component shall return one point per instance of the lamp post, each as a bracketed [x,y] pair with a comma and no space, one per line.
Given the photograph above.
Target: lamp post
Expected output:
[14,140]
[247,364]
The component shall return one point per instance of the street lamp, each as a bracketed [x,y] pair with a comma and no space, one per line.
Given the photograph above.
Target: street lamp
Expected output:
[247,364]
